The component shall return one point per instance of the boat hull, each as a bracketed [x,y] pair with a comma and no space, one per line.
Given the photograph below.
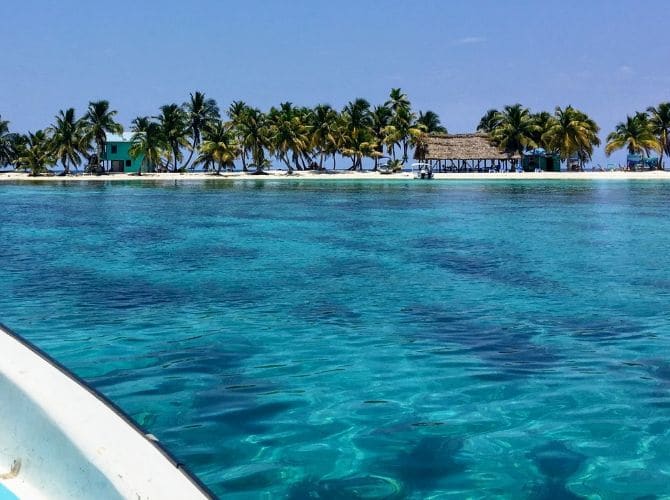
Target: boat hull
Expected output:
[61,439]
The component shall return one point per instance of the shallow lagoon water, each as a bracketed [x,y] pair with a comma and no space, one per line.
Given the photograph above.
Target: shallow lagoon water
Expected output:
[381,340]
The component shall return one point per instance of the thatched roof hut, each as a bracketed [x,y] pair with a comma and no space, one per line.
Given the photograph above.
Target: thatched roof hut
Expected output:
[460,147]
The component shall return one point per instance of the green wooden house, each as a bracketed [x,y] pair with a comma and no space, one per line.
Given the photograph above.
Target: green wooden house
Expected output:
[539,159]
[117,154]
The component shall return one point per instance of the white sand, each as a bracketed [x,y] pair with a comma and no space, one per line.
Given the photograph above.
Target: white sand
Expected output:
[280,174]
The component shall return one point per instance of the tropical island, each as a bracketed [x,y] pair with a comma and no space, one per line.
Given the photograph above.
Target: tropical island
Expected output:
[197,136]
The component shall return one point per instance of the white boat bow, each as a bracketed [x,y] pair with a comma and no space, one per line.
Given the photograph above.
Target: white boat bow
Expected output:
[59,438]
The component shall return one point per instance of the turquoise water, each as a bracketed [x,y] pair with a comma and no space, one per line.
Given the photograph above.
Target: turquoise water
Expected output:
[5,494]
[379,340]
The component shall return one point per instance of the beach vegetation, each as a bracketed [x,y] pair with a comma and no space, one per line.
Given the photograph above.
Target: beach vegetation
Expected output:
[403,121]
[38,153]
[201,112]
[635,135]
[303,138]
[219,147]
[570,133]
[298,137]
[381,120]
[8,144]
[251,129]
[99,121]
[288,134]
[516,129]
[659,120]
[324,132]
[68,139]
[490,121]
[431,122]
[148,141]
[174,126]
[357,139]
[543,122]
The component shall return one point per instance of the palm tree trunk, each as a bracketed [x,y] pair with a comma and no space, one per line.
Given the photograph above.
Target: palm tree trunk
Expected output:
[664,143]
[101,162]
[193,145]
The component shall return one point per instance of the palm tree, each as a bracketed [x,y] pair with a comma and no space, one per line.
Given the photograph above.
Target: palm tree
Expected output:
[408,128]
[543,122]
[490,121]
[356,114]
[219,146]
[200,113]
[4,126]
[7,143]
[397,100]
[324,131]
[391,138]
[173,122]
[426,123]
[402,120]
[288,133]
[635,134]
[37,153]
[660,127]
[147,142]
[356,131]
[359,145]
[252,132]
[19,143]
[236,112]
[381,119]
[431,122]
[515,130]
[571,132]
[68,139]
[98,122]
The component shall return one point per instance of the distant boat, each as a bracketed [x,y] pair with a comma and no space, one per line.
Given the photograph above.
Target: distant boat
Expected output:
[59,438]
[385,169]
[422,170]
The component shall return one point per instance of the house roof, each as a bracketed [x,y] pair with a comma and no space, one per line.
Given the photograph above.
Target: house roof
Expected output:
[124,137]
[462,147]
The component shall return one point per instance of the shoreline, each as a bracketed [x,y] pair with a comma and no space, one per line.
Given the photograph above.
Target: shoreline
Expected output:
[655,175]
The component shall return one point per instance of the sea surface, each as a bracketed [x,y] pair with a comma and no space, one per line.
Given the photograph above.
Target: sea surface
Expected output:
[364,340]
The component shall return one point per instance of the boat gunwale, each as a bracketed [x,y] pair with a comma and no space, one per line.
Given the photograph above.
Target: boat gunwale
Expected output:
[109,404]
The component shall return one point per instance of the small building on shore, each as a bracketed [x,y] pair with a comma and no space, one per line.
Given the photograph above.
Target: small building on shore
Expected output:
[539,159]
[116,156]
[464,153]
[641,162]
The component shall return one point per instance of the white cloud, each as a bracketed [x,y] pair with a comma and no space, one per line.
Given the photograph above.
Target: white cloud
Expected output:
[624,69]
[469,40]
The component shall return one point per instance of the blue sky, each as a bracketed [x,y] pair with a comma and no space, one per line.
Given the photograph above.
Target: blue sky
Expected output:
[458,58]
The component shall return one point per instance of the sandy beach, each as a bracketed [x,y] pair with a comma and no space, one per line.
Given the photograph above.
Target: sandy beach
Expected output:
[656,175]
